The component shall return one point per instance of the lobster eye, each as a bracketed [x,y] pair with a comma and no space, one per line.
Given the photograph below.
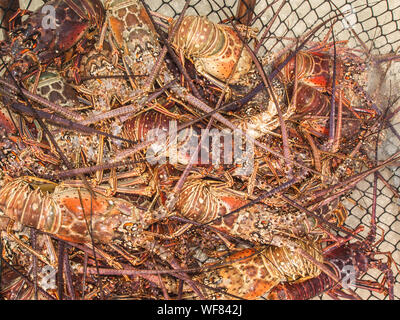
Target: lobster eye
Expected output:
[30,43]
[128,226]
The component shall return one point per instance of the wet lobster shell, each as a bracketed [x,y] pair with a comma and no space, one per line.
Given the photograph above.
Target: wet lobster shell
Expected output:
[204,201]
[214,48]
[53,87]
[253,272]
[66,211]
[151,124]
[312,102]
[6,122]
[313,68]
[34,43]
[134,35]
[303,290]
[348,255]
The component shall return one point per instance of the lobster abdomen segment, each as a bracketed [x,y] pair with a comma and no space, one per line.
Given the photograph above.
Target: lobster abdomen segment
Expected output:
[215,49]
[68,213]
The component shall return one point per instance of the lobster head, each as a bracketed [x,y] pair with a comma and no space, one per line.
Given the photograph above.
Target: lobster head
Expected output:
[50,31]
[353,255]
[313,68]
[111,218]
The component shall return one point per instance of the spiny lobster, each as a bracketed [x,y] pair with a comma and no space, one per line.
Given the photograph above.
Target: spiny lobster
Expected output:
[313,108]
[349,261]
[285,274]
[34,44]
[15,287]
[210,202]
[313,71]
[7,10]
[134,35]
[251,273]
[313,68]
[179,144]
[216,49]
[67,212]
[327,73]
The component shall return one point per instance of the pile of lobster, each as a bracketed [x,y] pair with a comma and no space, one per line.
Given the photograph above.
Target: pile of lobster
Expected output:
[110,187]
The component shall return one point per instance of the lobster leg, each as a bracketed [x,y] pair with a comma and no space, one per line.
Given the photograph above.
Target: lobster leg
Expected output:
[17,15]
